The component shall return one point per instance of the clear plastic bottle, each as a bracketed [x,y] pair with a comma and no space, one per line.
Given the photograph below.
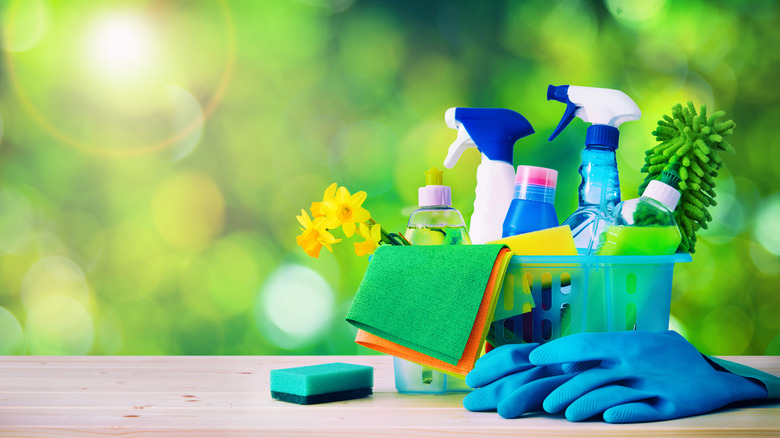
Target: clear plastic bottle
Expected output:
[434,223]
[599,193]
[645,225]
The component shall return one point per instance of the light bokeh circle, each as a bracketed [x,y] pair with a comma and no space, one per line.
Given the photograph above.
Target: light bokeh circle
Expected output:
[53,276]
[11,334]
[767,229]
[295,306]
[635,13]
[56,297]
[59,324]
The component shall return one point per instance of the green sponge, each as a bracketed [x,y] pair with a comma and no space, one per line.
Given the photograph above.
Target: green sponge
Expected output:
[322,383]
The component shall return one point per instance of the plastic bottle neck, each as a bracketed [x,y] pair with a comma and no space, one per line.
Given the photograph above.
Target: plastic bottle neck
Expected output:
[662,193]
[533,183]
[533,192]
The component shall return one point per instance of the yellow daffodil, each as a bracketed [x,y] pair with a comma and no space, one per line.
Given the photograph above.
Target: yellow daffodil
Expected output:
[345,210]
[314,235]
[316,210]
[316,207]
[372,237]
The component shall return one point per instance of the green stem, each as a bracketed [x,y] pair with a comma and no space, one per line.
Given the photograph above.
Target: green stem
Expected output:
[389,238]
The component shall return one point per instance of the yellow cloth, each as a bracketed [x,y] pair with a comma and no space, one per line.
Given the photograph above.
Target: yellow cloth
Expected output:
[550,241]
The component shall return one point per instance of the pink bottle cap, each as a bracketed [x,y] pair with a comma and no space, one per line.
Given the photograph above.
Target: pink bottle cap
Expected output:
[538,176]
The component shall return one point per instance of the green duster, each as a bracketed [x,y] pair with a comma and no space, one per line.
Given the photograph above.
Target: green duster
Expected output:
[689,143]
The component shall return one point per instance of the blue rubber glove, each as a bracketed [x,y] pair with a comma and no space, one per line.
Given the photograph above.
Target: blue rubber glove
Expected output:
[643,376]
[507,382]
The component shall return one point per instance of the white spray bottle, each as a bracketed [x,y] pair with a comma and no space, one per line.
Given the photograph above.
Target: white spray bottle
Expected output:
[493,131]
[599,190]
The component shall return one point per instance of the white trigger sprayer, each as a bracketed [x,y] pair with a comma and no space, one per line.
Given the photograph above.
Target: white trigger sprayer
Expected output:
[493,131]
[599,191]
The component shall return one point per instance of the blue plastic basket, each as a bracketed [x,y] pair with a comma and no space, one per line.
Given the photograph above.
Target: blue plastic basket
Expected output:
[572,294]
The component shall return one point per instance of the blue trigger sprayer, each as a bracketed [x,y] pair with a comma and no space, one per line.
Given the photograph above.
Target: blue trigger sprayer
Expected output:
[493,131]
[599,190]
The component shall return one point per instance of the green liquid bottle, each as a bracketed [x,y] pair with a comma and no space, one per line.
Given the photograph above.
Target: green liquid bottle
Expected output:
[434,223]
[645,225]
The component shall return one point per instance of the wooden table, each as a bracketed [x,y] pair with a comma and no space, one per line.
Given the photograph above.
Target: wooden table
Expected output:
[229,396]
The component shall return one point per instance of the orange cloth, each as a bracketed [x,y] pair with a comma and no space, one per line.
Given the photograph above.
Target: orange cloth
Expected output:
[476,338]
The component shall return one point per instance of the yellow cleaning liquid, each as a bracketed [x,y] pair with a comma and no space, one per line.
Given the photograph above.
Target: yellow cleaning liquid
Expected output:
[622,240]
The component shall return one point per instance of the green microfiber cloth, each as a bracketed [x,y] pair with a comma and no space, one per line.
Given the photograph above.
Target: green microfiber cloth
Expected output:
[689,143]
[425,298]
[322,383]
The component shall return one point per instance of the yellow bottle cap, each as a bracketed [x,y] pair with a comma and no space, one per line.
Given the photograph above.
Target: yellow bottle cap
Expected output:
[433,177]
[434,192]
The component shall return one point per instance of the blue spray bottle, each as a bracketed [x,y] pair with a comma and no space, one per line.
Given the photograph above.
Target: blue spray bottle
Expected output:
[599,191]
[493,131]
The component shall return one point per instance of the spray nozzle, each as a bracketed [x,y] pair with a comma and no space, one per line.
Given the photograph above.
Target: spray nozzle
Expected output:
[493,131]
[604,108]
[433,177]
[559,93]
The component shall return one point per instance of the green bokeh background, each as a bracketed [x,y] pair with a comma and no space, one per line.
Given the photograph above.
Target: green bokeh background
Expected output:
[154,154]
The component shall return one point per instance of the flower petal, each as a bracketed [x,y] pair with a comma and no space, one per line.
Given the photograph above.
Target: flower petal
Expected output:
[342,195]
[330,192]
[376,233]
[329,206]
[357,199]
[304,219]
[309,241]
[349,228]
[360,248]
[365,247]
[326,237]
[318,223]
[331,222]
[327,245]
[314,251]
[360,214]
[316,209]
[363,230]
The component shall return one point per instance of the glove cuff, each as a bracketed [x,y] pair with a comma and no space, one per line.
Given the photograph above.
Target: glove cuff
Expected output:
[768,381]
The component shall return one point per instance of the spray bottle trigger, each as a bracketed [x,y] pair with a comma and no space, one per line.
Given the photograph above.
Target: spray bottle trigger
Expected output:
[561,94]
[568,116]
[461,143]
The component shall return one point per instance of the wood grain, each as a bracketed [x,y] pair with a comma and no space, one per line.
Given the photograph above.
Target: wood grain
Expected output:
[229,396]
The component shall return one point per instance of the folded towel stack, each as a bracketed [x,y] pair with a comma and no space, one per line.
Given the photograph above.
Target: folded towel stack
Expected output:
[430,304]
